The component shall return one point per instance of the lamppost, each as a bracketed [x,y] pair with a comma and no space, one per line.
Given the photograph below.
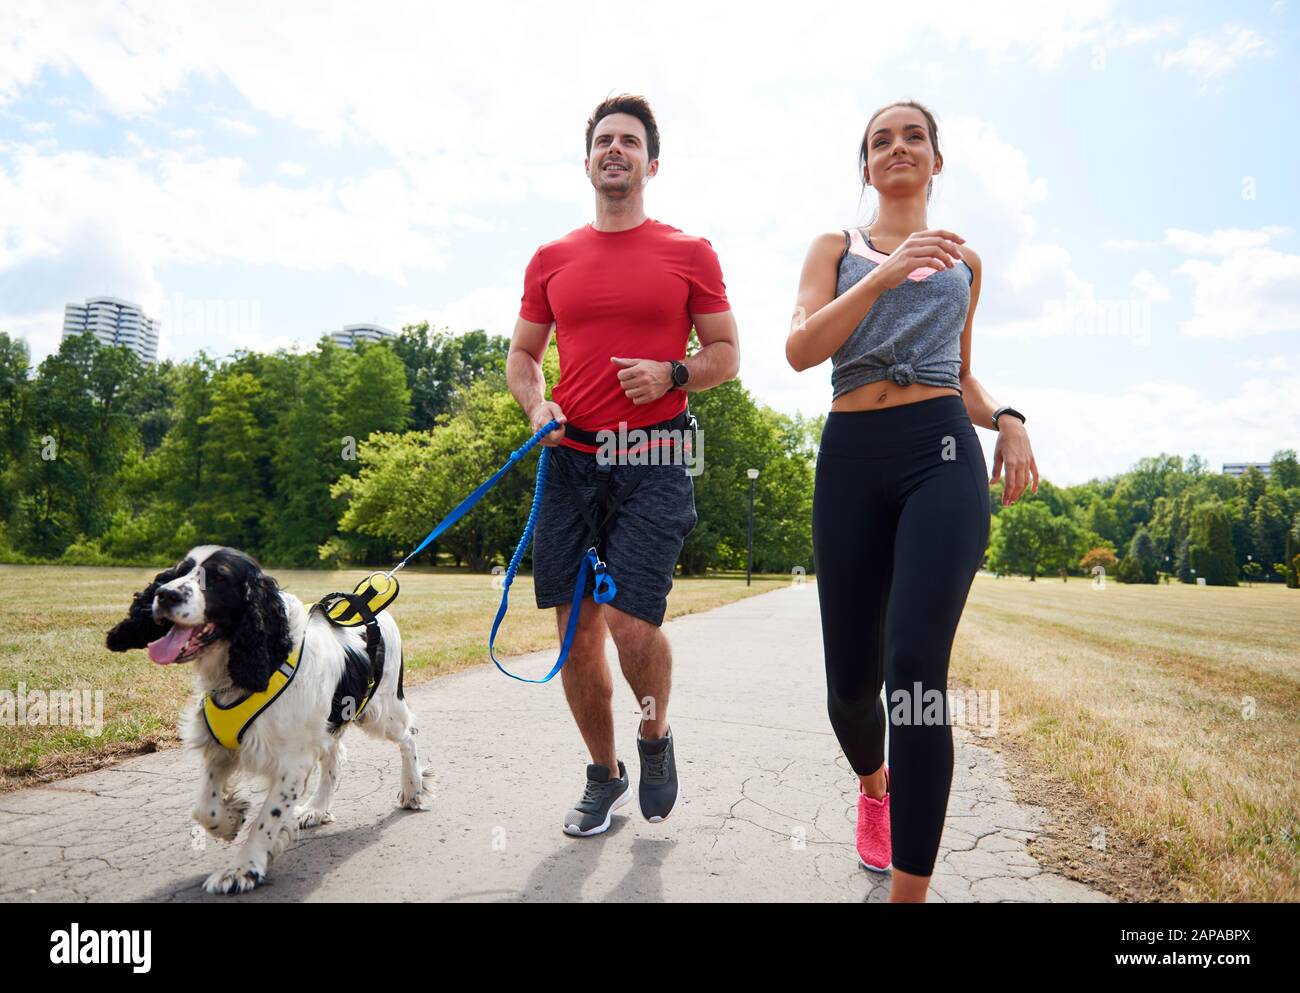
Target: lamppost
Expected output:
[1248,561]
[749,565]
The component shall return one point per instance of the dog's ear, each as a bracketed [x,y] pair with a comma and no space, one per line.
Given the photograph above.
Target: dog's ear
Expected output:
[260,642]
[139,628]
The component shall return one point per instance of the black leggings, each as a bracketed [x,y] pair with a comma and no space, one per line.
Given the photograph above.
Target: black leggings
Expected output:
[900,526]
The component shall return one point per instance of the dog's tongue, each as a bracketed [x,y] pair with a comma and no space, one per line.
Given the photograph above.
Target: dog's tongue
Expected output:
[166,648]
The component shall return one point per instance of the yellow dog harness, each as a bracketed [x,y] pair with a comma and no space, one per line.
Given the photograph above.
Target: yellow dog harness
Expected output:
[229,723]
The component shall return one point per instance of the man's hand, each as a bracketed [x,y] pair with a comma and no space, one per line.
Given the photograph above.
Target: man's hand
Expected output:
[644,380]
[543,414]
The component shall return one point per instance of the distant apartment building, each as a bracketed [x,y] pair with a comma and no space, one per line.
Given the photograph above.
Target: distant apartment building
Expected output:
[114,322]
[353,334]
[1239,468]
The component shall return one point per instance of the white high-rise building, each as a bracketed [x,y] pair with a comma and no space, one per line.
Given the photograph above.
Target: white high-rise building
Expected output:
[114,322]
[1239,468]
[352,334]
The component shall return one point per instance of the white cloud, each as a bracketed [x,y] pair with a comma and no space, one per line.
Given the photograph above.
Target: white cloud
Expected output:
[41,329]
[236,126]
[1252,291]
[1129,244]
[1223,242]
[1078,434]
[492,308]
[1140,34]
[1209,57]
[1150,287]
[73,225]
[179,209]
[292,169]
[470,142]
[1274,363]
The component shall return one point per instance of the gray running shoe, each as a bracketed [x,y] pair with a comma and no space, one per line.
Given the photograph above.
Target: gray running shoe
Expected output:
[600,799]
[658,786]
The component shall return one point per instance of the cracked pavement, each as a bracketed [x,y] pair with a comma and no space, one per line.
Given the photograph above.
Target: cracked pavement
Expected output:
[767,809]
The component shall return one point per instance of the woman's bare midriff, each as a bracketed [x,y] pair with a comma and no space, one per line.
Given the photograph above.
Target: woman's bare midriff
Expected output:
[885,393]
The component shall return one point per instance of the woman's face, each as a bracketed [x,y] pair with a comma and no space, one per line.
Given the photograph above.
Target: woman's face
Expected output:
[900,158]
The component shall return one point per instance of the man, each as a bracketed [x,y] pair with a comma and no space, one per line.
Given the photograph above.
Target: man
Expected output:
[622,293]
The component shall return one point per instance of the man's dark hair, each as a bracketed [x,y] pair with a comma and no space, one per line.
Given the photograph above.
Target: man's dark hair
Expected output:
[626,103]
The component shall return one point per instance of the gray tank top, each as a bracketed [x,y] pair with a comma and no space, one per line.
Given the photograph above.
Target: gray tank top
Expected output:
[912,333]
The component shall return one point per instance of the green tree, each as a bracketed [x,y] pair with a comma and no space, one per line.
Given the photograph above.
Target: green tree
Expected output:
[55,479]
[1251,485]
[1268,527]
[375,395]
[1210,546]
[1284,469]
[407,483]
[149,398]
[438,364]
[738,435]
[1142,551]
[232,506]
[1023,538]
[15,424]
[1066,541]
[309,452]
[1100,516]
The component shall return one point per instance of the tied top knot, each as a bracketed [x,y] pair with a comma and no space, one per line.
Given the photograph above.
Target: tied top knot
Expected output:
[903,374]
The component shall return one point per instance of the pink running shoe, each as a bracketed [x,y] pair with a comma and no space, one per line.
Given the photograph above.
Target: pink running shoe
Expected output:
[873,829]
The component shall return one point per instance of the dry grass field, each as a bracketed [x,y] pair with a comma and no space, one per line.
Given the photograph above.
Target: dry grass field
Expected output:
[1175,710]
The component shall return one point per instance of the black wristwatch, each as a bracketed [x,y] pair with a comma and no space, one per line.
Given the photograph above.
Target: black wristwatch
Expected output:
[681,374]
[1006,410]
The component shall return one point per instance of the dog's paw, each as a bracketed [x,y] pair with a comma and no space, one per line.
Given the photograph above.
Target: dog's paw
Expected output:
[223,822]
[309,817]
[417,796]
[236,879]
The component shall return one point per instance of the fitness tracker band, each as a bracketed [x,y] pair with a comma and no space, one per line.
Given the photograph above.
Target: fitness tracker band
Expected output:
[1006,410]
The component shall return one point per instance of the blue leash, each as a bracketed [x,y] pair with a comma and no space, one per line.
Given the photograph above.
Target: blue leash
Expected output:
[464,506]
[604,587]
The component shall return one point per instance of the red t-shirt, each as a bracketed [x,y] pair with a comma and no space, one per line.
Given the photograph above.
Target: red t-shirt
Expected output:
[626,293]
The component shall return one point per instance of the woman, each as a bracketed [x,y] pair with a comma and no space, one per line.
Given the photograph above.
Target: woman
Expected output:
[900,504]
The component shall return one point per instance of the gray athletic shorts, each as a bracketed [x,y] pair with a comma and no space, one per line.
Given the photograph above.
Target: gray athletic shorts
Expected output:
[642,542]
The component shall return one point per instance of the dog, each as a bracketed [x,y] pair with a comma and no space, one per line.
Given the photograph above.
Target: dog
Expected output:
[218,611]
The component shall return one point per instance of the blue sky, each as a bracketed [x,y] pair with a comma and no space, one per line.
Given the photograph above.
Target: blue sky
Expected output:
[258,176]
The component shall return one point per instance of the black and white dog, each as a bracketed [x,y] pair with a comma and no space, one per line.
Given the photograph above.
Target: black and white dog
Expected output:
[220,611]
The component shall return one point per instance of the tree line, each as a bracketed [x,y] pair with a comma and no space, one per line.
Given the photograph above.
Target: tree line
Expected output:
[1165,518]
[332,457]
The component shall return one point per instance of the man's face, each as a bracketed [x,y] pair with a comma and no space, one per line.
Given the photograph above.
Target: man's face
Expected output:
[618,164]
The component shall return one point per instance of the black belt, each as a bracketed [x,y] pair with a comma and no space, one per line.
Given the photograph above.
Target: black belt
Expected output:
[685,421]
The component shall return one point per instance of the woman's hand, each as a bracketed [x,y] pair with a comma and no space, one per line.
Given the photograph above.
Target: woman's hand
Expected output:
[1013,451]
[936,248]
